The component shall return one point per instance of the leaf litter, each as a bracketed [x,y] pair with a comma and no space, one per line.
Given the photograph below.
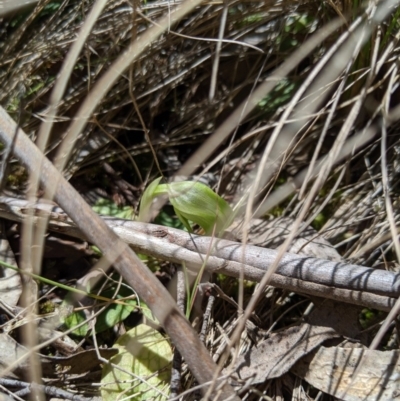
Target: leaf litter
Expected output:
[173,72]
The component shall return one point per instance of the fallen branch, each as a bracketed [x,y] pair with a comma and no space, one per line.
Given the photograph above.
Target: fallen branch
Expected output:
[354,284]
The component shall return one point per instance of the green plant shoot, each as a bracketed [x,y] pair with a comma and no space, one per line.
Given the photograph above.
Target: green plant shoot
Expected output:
[193,203]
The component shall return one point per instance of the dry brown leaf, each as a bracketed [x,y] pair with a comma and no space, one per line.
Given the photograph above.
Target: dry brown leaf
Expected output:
[276,355]
[81,362]
[331,369]
[10,280]
[84,361]
[341,317]
[10,351]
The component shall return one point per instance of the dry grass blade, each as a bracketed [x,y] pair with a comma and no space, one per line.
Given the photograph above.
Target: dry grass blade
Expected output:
[352,47]
[105,83]
[8,6]
[289,106]
[247,106]
[34,237]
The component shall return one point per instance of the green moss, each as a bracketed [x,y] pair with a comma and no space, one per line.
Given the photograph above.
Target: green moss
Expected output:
[252,19]
[298,23]
[319,221]
[17,177]
[230,286]
[106,207]
[168,218]
[13,106]
[47,307]
[279,96]
[369,317]
[50,8]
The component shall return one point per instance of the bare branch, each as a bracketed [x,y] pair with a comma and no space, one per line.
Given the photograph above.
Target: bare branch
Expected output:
[355,284]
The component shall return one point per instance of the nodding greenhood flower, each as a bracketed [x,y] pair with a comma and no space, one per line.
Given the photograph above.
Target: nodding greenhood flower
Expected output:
[193,202]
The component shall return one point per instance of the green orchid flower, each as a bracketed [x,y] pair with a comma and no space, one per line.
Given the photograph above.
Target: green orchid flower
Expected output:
[193,203]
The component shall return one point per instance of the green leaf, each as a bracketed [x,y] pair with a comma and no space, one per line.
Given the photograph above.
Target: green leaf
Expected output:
[148,355]
[75,318]
[183,219]
[112,315]
[115,313]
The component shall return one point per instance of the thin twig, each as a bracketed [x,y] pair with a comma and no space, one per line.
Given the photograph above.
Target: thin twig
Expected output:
[49,390]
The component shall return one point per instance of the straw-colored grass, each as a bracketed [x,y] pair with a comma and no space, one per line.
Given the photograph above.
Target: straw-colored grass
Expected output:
[291,106]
